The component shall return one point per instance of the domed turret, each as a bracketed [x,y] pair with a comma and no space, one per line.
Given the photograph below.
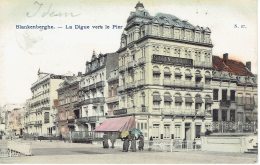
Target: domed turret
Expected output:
[139,6]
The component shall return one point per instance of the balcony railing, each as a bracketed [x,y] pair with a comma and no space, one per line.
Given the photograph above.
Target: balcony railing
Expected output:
[249,106]
[99,100]
[121,88]
[112,99]
[137,110]
[232,127]
[90,119]
[183,112]
[100,84]
[130,85]
[183,84]
[92,86]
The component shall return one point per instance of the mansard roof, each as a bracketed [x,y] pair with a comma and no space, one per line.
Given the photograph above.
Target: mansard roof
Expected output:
[232,66]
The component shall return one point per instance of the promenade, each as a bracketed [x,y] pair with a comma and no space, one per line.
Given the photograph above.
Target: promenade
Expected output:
[46,152]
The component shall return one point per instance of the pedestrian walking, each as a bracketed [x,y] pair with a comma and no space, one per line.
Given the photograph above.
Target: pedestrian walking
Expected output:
[126,144]
[150,143]
[133,144]
[113,140]
[105,142]
[141,143]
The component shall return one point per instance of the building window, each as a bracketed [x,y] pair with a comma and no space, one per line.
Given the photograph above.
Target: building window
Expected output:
[177,131]
[224,115]
[155,131]
[232,95]
[224,94]
[232,115]
[46,117]
[215,115]
[215,94]
[197,131]
[166,131]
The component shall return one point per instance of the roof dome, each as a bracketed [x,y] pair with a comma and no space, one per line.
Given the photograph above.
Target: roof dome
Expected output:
[139,6]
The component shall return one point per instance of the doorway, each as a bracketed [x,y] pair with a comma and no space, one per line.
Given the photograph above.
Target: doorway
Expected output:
[187,131]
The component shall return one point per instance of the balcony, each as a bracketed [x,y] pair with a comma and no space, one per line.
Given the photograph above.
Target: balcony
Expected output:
[130,85]
[121,89]
[87,101]
[131,64]
[112,99]
[202,64]
[140,82]
[225,103]
[99,100]
[183,84]
[137,109]
[100,84]
[93,86]
[38,123]
[86,88]
[90,119]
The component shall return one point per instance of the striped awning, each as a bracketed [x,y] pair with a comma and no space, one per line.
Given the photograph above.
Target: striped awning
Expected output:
[157,98]
[168,98]
[118,124]
[178,99]
[198,100]
[188,100]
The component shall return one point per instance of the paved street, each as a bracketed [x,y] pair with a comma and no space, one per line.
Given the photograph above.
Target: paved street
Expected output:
[60,152]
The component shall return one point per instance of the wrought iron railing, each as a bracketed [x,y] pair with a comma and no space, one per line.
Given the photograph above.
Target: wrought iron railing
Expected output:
[233,127]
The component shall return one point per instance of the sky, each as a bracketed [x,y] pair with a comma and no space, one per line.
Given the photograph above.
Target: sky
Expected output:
[59,51]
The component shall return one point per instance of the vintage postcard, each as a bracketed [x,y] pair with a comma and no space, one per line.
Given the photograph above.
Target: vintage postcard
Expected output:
[128,82]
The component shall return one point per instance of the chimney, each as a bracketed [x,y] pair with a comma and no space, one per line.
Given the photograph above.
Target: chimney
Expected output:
[248,65]
[225,57]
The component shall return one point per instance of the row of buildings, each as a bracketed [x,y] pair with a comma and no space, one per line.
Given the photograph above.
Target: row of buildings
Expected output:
[164,75]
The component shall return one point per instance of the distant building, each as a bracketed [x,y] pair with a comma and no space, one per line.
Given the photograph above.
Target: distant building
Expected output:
[39,118]
[67,98]
[93,90]
[234,91]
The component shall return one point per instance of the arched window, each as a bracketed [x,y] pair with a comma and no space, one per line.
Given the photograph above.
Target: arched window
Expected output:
[167,73]
[198,102]
[188,101]
[177,73]
[188,74]
[178,100]
[156,99]
[167,99]
[156,75]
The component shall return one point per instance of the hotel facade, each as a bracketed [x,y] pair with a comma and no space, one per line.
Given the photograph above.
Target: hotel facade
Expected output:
[41,112]
[165,67]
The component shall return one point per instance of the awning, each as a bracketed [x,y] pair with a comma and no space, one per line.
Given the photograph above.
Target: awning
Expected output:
[157,98]
[189,100]
[188,75]
[167,73]
[208,101]
[177,74]
[167,98]
[198,76]
[178,99]
[198,100]
[118,124]
[156,72]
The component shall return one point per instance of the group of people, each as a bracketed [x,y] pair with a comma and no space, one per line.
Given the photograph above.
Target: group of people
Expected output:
[128,140]
[131,139]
